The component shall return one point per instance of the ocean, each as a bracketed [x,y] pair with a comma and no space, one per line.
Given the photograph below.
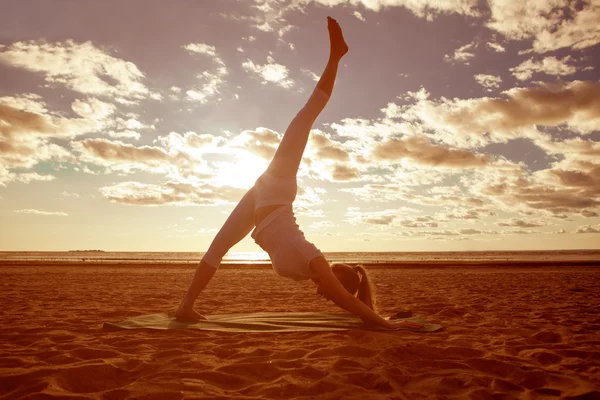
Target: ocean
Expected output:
[166,258]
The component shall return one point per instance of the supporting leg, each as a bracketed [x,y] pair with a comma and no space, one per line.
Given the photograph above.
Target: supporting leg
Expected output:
[239,223]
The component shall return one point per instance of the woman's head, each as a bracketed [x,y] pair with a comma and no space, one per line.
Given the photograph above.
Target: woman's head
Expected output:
[356,281]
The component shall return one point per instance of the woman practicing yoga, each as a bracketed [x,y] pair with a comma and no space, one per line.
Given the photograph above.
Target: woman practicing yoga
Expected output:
[267,207]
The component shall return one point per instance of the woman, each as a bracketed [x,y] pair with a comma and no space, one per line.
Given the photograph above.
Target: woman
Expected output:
[267,208]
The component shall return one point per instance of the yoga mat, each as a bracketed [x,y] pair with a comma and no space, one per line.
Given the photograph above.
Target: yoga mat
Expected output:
[263,322]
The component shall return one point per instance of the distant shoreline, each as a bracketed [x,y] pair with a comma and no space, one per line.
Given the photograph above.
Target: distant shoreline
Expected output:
[430,264]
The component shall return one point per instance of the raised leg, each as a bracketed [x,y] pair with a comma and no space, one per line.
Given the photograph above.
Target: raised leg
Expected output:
[288,156]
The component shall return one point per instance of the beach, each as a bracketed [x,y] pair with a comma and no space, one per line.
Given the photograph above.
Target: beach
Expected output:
[509,333]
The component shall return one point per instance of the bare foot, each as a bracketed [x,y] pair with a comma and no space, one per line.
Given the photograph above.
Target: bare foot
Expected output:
[185,315]
[336,39]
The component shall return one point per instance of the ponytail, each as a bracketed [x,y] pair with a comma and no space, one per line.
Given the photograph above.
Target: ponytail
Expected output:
[357,282]
[365,289]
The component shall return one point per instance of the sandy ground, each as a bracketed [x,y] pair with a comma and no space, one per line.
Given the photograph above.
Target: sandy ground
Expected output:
[509,333]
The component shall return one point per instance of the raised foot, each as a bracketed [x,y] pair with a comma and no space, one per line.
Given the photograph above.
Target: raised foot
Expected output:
[188,315]
[336,38]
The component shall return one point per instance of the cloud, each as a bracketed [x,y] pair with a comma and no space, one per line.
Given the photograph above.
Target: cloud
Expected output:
[119,156]
[462,54]
[547,65]
[447,233]
[81,67]
[28,129]
[459,198]
[575,148]
[549,24]
[377,193]
[358,15]
[588,229]
[271,72]
[515,222]
[269,15]
[341,173]
[463,214]
[497,47]
[38,212]
[390,217]
[93,108]
[589,214]
[488,81]
[541,191]
[189,140]
[25,135]
[321,225]
[33,176]
[583,175]
[477,122]
[420,150]
[210,81]
[70,194]
[428,9]
[201,48]
[171,193]
[308,197]
[323,147]
[16,122]
[552,24]
[310,74]
[261,142]
[100,116]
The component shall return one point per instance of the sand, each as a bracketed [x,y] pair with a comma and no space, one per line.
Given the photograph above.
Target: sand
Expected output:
[524,333]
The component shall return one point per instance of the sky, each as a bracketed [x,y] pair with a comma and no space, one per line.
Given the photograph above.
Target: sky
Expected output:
[455,125]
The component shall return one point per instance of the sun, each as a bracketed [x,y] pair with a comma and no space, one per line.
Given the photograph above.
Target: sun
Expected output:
[242,172]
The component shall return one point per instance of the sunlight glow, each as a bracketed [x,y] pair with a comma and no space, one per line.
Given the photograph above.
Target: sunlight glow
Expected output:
[241,173]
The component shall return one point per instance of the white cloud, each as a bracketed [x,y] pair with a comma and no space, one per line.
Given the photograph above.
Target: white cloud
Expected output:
[119,156]
[38,212]
[515,222]
[428,9]
[210,81]
[310,74]
[588,229]
[201,48]
[26,128]
[463,54]
[420,150]
[174,193]
[270,72]
[497,47]
[479,121]
[552,24]
[81,67]
[33,176]
[358,15]
[93,108]
[488,81]
[548,66]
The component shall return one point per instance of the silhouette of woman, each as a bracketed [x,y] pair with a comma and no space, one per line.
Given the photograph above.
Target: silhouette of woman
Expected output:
[267,207]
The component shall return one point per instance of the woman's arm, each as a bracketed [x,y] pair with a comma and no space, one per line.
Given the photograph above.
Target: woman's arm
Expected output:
[340,296]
